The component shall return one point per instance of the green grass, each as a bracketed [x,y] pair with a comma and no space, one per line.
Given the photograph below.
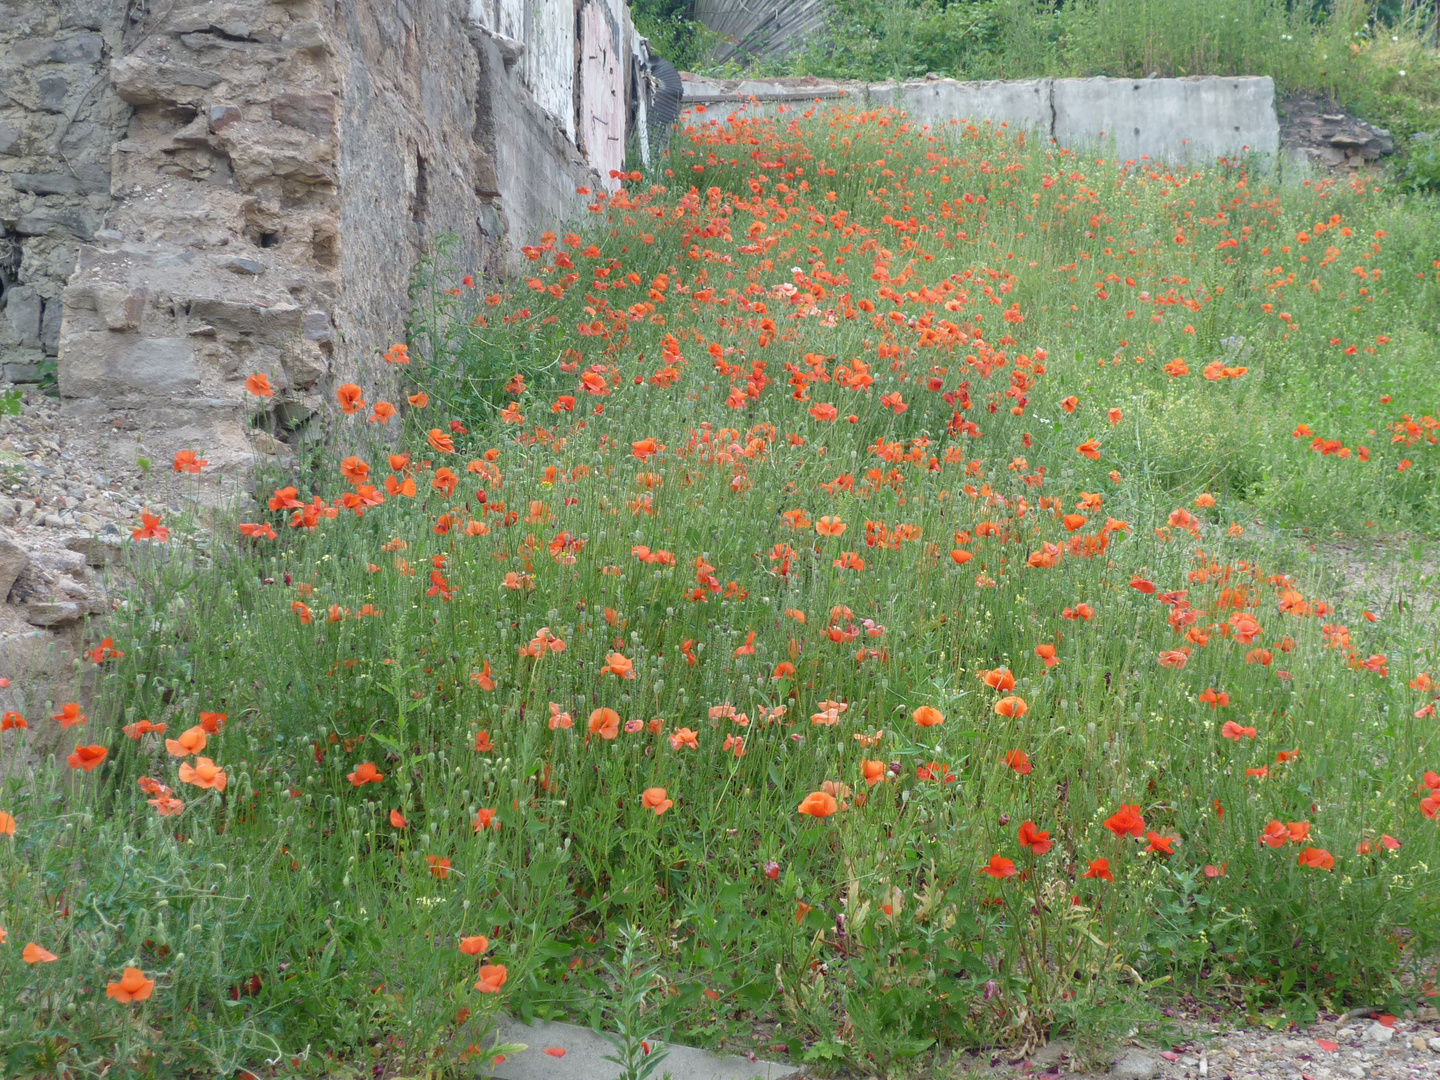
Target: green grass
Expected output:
[292,926]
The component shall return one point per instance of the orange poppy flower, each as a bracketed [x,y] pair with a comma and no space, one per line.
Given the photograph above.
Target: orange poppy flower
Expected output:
[1316,859]
[1011,706]
[1234,732]
[420,400]
[191,741]
[440,441]
[1099,869]
[1090,448]
[474,946]
[7,824]
[350,397]
[873,771]
[1047,654]
[684,738]
[186,461]
[605,723]
[150,528]
[203,774]
[819,804]
[382,413]
[259,385]
[167,806]
[619,665]
[485,818]
[397,819]
[133,986]
[87,757]
[354,469]
[1275,835]
[482,678]
[928,716]
[36,954]
[439,865]
[12,719]
[654,799]
[830,526]
[1018,760]
[492,978]
[1000,679]
[69,715]
[365,773]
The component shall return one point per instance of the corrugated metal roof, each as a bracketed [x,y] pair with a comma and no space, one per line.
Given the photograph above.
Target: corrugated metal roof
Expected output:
[760,28]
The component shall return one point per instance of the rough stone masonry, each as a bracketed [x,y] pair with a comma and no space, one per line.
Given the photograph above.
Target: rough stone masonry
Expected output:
[192,192]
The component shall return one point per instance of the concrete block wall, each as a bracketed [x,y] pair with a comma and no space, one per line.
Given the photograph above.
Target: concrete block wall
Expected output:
[1185,121]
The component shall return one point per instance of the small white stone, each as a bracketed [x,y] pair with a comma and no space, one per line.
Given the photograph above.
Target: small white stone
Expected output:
[1379,1034]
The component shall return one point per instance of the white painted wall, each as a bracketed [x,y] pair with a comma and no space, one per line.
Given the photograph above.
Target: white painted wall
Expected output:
[547,66]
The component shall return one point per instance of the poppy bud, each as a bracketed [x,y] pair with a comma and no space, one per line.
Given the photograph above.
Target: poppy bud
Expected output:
[1004,820]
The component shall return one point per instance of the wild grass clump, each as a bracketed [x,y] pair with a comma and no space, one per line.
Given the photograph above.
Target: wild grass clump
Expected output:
[850,583]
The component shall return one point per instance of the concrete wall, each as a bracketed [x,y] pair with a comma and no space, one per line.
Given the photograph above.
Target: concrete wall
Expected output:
[1026,105]
[1187,120]
[1179,121]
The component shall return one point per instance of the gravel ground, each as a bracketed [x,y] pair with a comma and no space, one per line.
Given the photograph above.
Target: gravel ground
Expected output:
[1333,1048]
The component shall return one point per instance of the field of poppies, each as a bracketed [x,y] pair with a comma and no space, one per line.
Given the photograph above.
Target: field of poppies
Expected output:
[863,594]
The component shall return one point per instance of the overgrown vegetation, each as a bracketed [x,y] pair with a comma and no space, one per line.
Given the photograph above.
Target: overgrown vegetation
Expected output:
[1378,59]
[852,583]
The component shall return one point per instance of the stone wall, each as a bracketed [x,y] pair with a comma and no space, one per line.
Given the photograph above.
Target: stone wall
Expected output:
[195,191]
[59,116]
[201,190]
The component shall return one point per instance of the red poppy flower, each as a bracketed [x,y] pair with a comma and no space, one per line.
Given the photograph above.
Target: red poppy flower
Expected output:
[999,867]
[1037,841]
[1126,821]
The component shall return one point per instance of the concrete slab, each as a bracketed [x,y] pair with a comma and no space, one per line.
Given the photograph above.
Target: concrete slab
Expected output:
[585,1053]
[1022,105]
[1189,120]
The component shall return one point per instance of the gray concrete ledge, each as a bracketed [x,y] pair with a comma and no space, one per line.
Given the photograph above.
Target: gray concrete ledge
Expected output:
[585,1053]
